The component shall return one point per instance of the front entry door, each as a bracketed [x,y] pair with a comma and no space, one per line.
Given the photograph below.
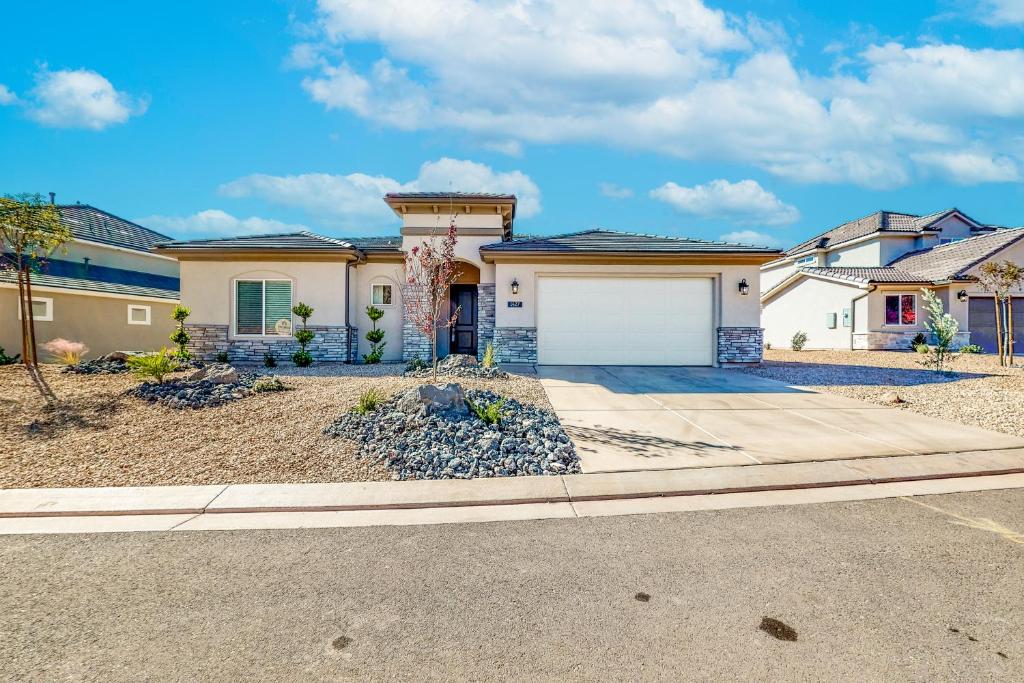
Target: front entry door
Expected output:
[463,337]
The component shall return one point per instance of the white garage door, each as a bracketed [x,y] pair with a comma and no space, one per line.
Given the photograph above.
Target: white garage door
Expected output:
[624,321]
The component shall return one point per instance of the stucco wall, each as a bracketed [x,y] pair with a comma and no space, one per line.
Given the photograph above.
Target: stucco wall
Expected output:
[363,277]
[775,274]
[207,287]
[467,248]
[803,307]
[734,309]
[119,258]
[101,323]
[863,254]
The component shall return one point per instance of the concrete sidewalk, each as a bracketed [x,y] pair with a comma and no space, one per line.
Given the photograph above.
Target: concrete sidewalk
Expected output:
[428,502]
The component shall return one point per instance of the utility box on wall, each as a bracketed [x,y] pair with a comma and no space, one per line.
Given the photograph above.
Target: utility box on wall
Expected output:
[830,320]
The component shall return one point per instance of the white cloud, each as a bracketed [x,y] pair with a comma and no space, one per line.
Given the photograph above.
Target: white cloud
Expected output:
[970,168]
[671,76]
[758,239]
[352,200]
[613,191]
[215,223]
[1001,12]
[80,99]
[512,148]
[744,202]
[7,96]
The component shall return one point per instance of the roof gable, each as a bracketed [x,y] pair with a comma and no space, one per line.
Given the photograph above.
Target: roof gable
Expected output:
[952,261]
[90,224]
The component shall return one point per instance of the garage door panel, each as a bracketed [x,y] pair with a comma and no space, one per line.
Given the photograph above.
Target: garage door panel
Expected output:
[624,321]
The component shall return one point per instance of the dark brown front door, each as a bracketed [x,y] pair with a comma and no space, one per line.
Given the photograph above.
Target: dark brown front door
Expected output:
[463,339]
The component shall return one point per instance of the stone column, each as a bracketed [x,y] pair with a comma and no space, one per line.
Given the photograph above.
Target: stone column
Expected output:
[740,345]
[485,297]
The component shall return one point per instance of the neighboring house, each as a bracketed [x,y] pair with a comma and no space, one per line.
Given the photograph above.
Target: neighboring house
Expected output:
[858,286]
[590,297]
[105,288]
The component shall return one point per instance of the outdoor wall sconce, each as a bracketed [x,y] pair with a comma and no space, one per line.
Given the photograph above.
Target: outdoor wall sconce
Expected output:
[961,296]
[515,286]
[744,287]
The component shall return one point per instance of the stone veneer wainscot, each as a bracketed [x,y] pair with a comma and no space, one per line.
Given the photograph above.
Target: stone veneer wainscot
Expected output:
[740,345]
[331,343]
[484,317]
[515,344]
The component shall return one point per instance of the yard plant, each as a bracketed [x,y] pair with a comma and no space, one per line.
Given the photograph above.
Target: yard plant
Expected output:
[369,401]
[269,360]
[798,341]
[943,328]
[8,360]
[180,336]
[488,358]
[1002,279]
[302,358]
[490,414]
[153,365]
[374,336]
[64,351]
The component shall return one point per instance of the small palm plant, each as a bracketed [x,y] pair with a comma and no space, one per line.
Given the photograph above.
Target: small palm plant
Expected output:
[153,365]
[490,414]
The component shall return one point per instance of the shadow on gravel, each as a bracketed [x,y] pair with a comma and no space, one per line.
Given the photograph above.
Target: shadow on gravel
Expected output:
[817,374]
[777,629]
[644,445]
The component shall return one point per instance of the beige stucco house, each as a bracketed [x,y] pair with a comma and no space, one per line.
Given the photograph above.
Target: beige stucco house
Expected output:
[106,288]
[858,286]
[592,297]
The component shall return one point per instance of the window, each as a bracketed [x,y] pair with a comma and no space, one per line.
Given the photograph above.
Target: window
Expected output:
[806,259]
[263,307]
[42,309]
[901,309]
[380,295]
[138,315]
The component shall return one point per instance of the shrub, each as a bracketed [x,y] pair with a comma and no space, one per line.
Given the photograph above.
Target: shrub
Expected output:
[269,360]
[488,359]
[374,336]
[918,340]
[8,360]
[265,384]
[302,358]
[923,349]
[767,346]
[64,351]
[490,413]
[943,328]
[369,401]
[180,336]
[153,365]
[221,357]
[798,341]
[416,363]
[968,348]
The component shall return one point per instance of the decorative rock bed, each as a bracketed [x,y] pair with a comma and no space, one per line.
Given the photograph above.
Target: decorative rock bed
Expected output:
[116,363]
[455,365]
[211,386]
[428,433]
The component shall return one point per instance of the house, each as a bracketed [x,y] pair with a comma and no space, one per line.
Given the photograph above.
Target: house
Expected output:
[105,288]
[858,286]
[591,297]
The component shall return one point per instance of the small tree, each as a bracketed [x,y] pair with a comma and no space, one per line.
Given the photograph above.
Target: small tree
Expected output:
[1001,279]
[943,328]
[374,336]
[304,336]
[180,336]
[430,271]
[798,341]
[30,230]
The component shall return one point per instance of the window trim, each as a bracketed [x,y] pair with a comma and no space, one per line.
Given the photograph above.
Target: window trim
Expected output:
[901,323]
[147,309]
[48,317]
[263,306]
[382,284]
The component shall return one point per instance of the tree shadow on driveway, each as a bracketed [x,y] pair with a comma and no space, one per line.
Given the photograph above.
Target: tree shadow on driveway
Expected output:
[641,444]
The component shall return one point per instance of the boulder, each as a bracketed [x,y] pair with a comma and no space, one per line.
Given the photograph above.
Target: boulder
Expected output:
[429,399]
[892,397]
[120,356]
[456,360]
[218,373]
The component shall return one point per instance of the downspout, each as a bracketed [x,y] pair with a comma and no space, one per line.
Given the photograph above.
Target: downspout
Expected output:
[853,311]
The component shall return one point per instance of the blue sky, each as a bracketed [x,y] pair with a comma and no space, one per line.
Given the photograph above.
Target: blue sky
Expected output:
[762,121]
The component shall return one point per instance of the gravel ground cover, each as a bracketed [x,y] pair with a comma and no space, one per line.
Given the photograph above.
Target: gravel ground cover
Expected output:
[979,393]
[526,441]
[96,435]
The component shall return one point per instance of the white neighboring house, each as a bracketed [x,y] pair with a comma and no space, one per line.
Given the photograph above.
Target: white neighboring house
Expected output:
[858,286]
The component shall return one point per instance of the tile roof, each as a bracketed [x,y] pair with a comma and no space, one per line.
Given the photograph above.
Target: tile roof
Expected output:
[611,241]
[879,221]
[290,241]
[388,243]
[95,225]
[952,261]
[866,275]
[86,284]
[483,196]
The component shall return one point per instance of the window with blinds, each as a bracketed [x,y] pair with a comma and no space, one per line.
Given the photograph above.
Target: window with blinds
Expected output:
[263,307]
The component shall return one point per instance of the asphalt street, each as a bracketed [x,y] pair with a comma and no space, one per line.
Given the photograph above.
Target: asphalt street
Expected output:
[929,588]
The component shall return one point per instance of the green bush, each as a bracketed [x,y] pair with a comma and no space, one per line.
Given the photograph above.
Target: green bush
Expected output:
[153,365]
[490,413]
[265,384]
[416,363]
[369,401]
[923,349]
[374,336]
[221,357]
[180,336]
[302,358]
[8,360]
[969,348]
[269,360]
[488,358]
[918,340]
[798,341]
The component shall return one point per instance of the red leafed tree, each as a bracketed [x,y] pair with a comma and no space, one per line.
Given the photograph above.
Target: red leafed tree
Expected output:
[430,270]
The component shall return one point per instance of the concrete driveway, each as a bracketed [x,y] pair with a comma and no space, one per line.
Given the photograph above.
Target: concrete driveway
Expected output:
[645,418]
